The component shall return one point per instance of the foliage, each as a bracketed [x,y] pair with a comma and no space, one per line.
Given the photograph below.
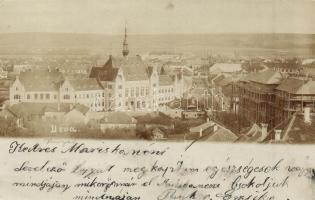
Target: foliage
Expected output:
[8,127]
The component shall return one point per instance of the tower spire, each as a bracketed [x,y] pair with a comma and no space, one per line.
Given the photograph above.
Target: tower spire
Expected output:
[125,51]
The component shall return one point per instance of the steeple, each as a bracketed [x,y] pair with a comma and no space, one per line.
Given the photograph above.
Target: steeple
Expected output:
[125,51]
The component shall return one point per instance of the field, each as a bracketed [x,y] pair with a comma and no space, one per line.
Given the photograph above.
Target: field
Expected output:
[83,44]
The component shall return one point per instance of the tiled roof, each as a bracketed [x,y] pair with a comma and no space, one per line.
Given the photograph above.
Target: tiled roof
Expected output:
[103,73]
[291,85]
[41,80]
[165,80]
[301,131]
[267,77]
[117,118]
[81,108]
[134,69]
[222,135]
[85,84]
[203,126]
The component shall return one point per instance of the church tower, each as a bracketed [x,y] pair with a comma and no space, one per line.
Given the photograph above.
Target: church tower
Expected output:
[125,50]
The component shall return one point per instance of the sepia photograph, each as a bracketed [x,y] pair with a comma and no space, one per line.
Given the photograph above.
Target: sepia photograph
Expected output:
[169,70]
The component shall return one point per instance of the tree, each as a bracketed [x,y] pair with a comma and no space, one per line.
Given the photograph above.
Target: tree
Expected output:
[8,127]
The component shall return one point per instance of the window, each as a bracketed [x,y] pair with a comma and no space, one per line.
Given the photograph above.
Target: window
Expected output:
[132,92]
[120,87]
[154,84]
[35,96]
[17,96]
[41,96]
[127,92]
[109,86]
[126,103]
[87,96]
[16,88]
[47,96]
[137,91]
[138,104]
[143,104]
[147,91]
[28,96]
[66,96]
[142,91]
[55,96]
[103,94]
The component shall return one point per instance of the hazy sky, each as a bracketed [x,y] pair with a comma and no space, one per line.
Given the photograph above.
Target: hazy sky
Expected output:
[158,16]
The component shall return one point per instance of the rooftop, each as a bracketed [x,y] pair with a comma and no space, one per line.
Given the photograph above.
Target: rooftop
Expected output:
[117,118]
[85,84]
[41,80]
[225,67]
[268,77]
[134,69]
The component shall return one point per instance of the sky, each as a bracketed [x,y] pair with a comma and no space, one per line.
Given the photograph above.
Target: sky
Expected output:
[158,16]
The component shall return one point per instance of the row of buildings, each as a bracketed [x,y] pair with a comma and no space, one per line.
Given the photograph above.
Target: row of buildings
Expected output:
[121,84]
[273,98]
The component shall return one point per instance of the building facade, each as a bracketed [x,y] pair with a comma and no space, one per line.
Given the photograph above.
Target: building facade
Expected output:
[45,86]
[130,84]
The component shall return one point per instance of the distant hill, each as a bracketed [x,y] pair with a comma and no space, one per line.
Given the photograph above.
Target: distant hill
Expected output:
[54,43]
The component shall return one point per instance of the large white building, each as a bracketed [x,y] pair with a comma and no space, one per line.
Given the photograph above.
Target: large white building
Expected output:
[46,86]
[130,84]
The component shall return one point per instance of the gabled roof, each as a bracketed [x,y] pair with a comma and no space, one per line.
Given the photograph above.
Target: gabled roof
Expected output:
[267,77]
[291,85]
[85,84]
[223,135]
[165,80]
[117,118]
[134,69]
[41,80]
[203,126]
[81,108]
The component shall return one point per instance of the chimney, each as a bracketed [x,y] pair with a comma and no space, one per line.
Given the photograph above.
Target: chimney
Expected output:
[307,113]
[264,130]
[278,135]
